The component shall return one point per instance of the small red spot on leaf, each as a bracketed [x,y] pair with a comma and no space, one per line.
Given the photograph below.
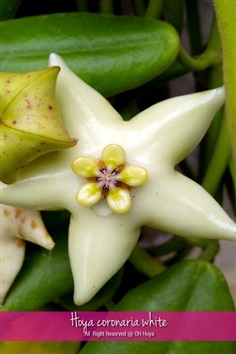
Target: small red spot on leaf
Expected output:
[28,106]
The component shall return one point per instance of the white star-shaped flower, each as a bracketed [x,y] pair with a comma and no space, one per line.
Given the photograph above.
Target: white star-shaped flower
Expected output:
[17,226]
[108,209]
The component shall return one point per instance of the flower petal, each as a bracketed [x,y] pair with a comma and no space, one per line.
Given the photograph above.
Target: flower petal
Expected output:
[157,139]
[113,155]
[47,173]
[12,257]
[85,113]
[171,129]
[25,224]
[178,205]
[119,200]
[134,176]
[18,225]
[98,252]
[85,166]
[89,194]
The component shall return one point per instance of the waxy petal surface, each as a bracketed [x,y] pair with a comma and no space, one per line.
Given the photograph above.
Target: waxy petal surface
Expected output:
[93,249]
[100,241]
[17,226]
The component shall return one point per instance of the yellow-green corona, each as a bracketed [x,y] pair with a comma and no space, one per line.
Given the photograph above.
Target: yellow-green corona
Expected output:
[108,177]
[146,149]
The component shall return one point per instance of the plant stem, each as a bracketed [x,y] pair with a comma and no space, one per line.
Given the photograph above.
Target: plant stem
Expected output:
[210,56]
[141,260]
[194,28]
[233,173]
[106,7]
[139,7]
[219,161]
[231,186]
[226,18]
[154,9]
[208,254]
[207,145]
[173,13]
[209,248]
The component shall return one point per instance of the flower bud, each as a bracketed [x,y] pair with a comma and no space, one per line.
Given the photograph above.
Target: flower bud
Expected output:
[29,119]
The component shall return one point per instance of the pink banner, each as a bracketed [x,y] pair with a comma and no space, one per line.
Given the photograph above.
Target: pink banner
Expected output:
[125,326]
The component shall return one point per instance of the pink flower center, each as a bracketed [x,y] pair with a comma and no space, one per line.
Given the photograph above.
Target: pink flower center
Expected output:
[108,178]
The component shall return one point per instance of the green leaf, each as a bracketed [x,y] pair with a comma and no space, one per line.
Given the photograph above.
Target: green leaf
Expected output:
[190,285]
[39,347]
[111,53]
